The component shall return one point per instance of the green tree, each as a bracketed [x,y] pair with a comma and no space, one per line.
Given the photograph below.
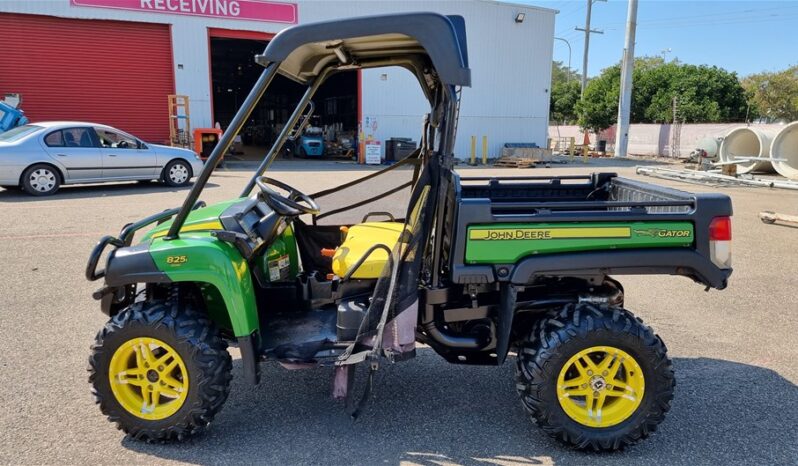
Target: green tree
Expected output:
[565,90]
[598,109]
[704,94]
[774,96]
[564,97]
[561,73]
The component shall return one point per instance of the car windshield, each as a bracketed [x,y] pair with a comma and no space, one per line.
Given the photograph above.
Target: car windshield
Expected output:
[18,133]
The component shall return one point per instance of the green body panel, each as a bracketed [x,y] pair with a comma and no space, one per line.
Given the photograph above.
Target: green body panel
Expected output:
[200,258]
[506,243]
[223,275]
[204,219]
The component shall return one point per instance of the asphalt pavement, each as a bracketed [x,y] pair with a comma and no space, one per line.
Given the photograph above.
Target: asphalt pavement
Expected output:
[735,354]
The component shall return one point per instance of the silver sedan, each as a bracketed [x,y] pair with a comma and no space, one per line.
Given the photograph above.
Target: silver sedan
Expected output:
[40,157]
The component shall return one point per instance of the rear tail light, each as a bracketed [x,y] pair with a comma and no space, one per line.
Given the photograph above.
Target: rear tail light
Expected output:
[720,236]
[720,229]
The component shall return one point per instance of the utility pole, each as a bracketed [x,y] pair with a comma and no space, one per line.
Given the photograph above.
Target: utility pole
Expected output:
[627,69]
[588,31]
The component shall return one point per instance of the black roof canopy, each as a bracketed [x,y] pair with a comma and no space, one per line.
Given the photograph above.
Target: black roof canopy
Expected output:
[417,39]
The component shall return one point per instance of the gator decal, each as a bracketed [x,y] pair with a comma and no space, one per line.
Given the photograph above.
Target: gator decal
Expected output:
[508,243]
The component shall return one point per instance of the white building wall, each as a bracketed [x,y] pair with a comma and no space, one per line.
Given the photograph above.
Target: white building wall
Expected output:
[510,62]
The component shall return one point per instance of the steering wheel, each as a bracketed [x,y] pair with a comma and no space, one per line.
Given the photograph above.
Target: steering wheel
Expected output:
[293,205]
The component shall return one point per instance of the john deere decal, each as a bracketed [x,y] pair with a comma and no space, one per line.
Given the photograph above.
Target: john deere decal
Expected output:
[550,233]
[510,242]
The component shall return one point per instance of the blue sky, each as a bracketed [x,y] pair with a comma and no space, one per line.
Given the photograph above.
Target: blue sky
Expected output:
[742,36]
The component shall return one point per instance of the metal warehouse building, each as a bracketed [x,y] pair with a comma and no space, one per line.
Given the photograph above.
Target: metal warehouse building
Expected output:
[116,61]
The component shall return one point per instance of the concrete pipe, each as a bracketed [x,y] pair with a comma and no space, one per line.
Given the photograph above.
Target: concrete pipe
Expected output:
[747,141]
[784,151]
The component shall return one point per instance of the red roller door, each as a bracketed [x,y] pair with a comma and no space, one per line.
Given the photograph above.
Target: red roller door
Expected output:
[112,72]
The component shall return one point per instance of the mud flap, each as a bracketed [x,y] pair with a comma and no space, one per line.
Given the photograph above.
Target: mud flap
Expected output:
[249,358]
[504,324]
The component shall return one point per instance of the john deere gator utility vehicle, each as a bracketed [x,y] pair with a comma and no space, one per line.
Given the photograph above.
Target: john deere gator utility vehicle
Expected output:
[476,268]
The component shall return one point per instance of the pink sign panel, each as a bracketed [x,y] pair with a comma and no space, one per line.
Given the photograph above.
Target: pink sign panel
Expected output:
[253,10]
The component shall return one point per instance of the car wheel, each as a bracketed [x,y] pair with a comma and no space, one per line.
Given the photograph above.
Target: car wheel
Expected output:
[177,173]
[41,180]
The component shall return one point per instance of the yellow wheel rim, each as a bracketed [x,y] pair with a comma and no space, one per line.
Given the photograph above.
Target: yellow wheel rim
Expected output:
[148,378]
[600,386]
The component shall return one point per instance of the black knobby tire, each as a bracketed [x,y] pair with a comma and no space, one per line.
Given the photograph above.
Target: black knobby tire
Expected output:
[46,183]
[196,340]
[560,335]
[176,183]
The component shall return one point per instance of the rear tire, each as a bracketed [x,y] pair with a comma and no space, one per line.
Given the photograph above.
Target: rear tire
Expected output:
[183,399]
[635,396]
[41,180]
[177,173]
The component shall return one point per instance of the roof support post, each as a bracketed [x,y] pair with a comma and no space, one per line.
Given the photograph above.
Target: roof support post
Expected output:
[223,146]
[287,128]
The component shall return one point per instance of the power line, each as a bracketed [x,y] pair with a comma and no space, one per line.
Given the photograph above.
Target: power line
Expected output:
[724,23]
[722,16]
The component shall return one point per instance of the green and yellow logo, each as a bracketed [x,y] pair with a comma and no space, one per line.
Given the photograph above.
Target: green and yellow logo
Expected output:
[505,234]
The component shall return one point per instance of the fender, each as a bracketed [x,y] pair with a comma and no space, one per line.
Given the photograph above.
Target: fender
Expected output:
[198,259]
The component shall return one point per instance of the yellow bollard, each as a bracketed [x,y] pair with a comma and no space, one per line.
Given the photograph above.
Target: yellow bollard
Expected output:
[571,147]
[484,150]
[473,151]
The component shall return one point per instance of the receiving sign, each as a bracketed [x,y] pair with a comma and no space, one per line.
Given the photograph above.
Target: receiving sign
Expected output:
[254,10]
[373,153]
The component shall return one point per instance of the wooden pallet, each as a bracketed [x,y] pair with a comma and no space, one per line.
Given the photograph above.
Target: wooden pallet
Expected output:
[515,162]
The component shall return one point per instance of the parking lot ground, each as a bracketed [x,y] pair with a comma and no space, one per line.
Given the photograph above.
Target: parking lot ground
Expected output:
[735,354]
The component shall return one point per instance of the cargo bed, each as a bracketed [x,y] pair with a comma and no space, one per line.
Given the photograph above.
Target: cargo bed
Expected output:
[520,229]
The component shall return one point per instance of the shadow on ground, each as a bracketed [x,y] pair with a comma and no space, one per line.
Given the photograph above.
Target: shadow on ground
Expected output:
[431,413]
[95,190]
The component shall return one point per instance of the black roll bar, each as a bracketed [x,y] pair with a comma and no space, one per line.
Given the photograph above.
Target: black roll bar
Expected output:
[223,146]
[286,131]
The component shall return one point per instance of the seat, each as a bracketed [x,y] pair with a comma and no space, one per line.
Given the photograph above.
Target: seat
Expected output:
[358,240]
[85,140]
[69,139]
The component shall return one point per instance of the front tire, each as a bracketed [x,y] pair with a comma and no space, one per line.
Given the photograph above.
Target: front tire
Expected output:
[594,378]
[177,173]
[160,373]
[41,180]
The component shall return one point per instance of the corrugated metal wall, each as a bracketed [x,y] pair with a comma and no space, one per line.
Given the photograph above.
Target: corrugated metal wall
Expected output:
[109,72]
[511,64]
[510,68]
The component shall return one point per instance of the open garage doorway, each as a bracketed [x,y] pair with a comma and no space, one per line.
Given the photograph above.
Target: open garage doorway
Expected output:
[333,128]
